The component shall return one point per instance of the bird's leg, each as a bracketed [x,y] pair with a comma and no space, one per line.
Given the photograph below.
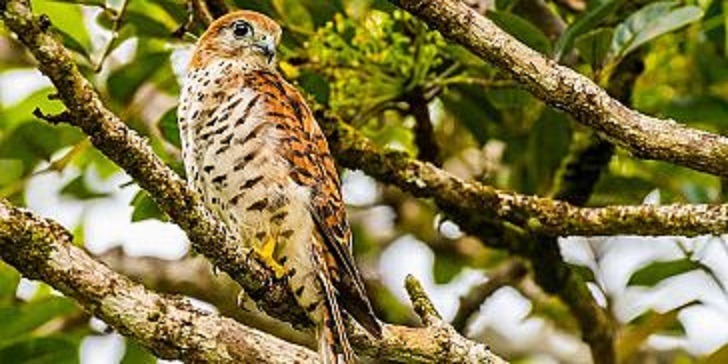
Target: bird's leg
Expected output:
[266,252]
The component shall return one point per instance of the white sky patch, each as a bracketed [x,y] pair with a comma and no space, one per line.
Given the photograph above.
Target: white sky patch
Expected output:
[358,189]
[180,58]
[17,84]
[102,349]
[106,221]
[407,255]
[706,328]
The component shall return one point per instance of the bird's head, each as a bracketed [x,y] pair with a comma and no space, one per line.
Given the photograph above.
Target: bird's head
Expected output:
[245,35]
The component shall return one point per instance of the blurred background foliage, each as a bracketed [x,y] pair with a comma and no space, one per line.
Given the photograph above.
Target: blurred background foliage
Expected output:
[405,87]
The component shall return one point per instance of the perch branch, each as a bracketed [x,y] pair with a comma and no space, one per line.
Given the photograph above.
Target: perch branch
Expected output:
[171,328]
[194,277]
[166,325]
[130,151]
[644,136]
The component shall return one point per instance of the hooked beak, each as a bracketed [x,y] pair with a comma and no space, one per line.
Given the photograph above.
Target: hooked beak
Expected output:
[267,48]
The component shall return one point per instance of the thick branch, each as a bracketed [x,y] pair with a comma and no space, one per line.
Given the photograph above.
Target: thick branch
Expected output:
[172,329]
[589,155]
[541,215]
[130,151]
[168,326]
[194,277]
[644,136]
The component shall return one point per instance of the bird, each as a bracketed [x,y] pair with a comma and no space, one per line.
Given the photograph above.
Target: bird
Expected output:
[254,152]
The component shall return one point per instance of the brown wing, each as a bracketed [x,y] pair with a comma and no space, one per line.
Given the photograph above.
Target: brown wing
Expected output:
[308,152]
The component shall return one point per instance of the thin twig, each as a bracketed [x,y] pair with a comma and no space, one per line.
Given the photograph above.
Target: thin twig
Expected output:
[116,26]
[168,326]
[509,273]
[421,302]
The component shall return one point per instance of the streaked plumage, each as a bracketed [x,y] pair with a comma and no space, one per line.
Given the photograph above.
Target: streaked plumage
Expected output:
[252,148]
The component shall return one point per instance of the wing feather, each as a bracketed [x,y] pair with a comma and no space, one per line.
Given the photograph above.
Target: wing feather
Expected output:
[314,167]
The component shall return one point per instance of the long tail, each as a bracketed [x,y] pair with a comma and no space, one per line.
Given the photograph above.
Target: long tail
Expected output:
[332,333]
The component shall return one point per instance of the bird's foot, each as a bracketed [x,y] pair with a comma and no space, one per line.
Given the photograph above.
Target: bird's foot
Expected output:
[266,253]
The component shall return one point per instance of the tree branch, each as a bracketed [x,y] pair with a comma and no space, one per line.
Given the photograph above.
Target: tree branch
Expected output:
[540,14]
[172,329]
[644,136]
[485,203]
[427,148]
[194,277]
[433,321]
[130,151]
[589,155]
[166,325]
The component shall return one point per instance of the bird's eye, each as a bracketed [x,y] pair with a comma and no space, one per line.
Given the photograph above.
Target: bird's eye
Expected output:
[242,29]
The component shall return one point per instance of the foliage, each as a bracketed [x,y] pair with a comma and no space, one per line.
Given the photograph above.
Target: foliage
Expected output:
[364,60]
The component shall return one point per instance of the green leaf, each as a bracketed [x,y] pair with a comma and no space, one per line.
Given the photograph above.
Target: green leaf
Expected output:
[656,272]
[473,109]
[651,22]
[293,12]
[145,208]
[594,46]
[35,140]
[169,128]
[446,267]
[22,319]
[40,351]
[315,85]
[548,143]
[719,356]
[64,17]
[590,20]
[100,3]
[704,109]
[10,170]
[522,29]
[632,338]
[137,354]
[79,189]
[23,110]
[586,274]
[619,190]
[147,26]
[9,279]
[71,43]
[125,81]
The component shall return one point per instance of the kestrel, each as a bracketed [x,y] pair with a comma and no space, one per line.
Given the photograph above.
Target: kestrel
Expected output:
[253,150]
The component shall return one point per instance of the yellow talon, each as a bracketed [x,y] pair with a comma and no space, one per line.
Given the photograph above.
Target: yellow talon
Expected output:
[266,252]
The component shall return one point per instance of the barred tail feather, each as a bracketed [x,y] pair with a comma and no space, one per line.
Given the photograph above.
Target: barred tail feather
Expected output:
[332,334]
[327,346]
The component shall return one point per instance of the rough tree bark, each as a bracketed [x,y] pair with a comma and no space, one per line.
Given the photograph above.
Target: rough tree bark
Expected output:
[477,205]
[167,325]
[123,146]
[644,136]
